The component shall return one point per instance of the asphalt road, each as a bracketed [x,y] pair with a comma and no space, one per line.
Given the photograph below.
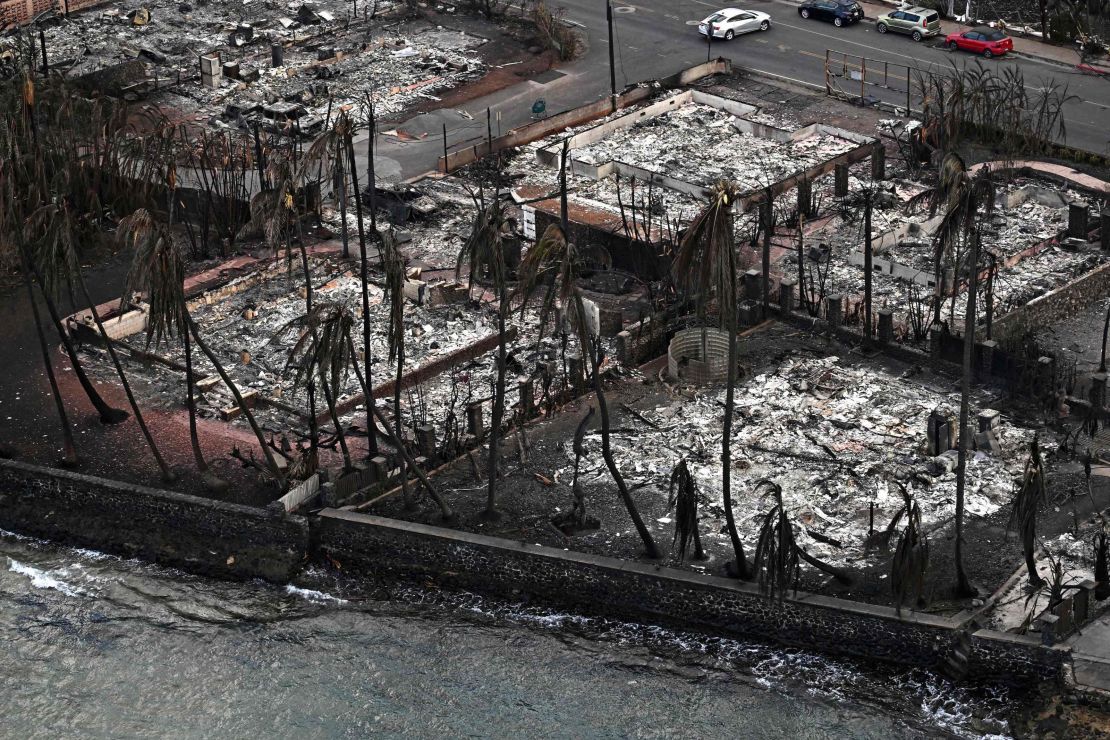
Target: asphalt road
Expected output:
[656,38]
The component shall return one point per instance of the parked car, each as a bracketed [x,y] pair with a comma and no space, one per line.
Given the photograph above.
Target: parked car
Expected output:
[840,12]
[990,42]
[732,22]
[919,23]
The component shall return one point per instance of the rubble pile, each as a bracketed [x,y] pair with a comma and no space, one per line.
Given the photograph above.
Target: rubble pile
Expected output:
[305,56]
[834,436]
[699,144]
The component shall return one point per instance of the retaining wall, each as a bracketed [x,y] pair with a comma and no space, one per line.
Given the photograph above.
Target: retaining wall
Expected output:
[640,591]
[195,534]
[1053,306]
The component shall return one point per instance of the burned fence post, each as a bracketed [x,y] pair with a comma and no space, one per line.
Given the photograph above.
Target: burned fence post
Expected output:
[379,468]
[527,395]
[1077,219]
[834,310]
[426,440]
[805,198]
[751,283]
[1104,229]
[840,180]
[474,422]
[886,326]
[786,296]
[277,54]
[878,162]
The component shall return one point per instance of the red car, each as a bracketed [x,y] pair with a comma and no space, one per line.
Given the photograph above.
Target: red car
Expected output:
[990,42]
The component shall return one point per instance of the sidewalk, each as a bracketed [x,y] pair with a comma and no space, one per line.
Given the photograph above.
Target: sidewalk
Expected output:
[1026,47]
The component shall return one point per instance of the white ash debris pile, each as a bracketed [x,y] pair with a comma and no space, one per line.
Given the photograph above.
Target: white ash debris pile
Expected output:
[699,143]
[835,437]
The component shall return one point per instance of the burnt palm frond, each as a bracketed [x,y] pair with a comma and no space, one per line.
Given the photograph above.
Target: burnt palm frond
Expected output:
[393,263]
[482,250]
[706,258]
[683,498]
[322,347]
[776,552]
[1027,501]
[552,261]
[158,271]
[911,560]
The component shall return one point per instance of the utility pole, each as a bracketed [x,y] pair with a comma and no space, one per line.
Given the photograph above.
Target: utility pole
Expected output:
[612,64]
[867,205]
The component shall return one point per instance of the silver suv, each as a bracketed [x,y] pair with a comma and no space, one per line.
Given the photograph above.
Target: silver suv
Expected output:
[918,23]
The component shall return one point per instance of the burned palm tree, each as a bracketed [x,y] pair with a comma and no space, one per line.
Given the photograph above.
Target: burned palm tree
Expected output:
[50,230]
[483,251]
[321,352]
[553,255]
[577,519]
[911,558]
[1102,563]
[1027,501]
[706,263]
[158,271]
[777,552]
[683,498]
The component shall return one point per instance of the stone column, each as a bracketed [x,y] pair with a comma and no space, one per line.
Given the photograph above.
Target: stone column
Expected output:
[840,181]
[1077,219]
[986,350]
[786,296]
[989,420]
[1098,391]
[878,162]
[752,280]
[426,439]
[1082,602]
[886,326]
[577,370]
[834,310]
[749,312]
[379,468]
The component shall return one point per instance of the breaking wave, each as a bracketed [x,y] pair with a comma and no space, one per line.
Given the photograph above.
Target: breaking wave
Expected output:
[45,579]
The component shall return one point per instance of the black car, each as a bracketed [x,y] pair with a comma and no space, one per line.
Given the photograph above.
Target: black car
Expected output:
[840,12]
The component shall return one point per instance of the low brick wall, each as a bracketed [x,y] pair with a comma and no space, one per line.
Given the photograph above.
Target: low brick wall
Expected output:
[1053,306]
[195,534]
[640,591]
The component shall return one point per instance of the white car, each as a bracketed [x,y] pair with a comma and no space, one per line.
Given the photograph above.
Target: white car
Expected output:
[732,22]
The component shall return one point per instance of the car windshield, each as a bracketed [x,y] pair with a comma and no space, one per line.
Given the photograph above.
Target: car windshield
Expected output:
[931,17]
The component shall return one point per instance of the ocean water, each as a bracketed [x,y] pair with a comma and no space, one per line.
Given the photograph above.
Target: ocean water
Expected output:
[98,646]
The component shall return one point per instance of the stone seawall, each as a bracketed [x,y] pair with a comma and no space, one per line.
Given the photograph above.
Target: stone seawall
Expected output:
[644,592]
[195,534]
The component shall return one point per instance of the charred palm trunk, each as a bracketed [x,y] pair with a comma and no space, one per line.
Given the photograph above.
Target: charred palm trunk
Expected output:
[963,586]
[313,426]
[498,413]
[650,548]
[69,449]
[271,462]
[741,563]
[108,414]
[167,475]
[329,399]
[411,465]
[365,278]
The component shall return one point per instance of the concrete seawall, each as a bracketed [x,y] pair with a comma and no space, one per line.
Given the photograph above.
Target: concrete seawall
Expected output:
[654,594]
[232,541]
[195,534]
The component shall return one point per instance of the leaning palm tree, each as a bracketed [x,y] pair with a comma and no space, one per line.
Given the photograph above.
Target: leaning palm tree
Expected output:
[706,264]
[483,252]
[51,230]
[553,254]
[158,270]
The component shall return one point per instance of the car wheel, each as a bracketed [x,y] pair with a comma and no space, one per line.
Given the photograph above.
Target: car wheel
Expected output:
[953,45]
[804,12]
[764,25]
[881,28]
[916,36]
[837,22]
[987,53]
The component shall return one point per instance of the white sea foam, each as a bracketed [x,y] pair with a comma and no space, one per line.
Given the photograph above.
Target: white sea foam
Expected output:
[309,594]
[44,579]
